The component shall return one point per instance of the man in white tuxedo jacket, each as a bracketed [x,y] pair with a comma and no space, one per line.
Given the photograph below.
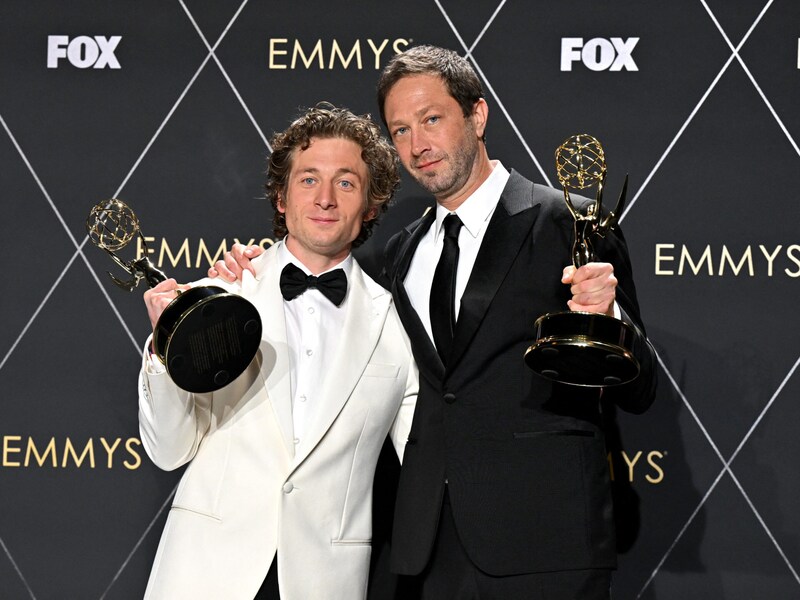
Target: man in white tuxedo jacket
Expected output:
[281,461]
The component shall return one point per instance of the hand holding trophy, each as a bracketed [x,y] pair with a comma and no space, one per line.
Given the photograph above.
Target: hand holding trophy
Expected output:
[581,348]
[206,337]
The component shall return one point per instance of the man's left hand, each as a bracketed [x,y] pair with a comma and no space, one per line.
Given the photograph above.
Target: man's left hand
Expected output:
[593,287]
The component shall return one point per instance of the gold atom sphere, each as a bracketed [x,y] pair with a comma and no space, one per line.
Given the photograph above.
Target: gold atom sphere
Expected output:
[580,162]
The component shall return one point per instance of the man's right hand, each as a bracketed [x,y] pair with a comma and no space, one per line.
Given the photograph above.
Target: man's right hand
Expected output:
[236,262]
[158,298]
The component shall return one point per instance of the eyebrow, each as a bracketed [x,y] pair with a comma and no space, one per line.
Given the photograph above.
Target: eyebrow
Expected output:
[425,109]
[339,171]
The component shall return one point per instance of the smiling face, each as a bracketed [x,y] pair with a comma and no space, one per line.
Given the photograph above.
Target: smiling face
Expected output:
[437,144]
[325,201]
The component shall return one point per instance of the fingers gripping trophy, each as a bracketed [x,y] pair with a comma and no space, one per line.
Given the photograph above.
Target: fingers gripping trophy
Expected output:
[581,348]
[206,336]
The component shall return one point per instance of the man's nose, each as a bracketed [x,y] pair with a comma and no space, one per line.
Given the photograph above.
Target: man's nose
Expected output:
[327,195]
[419,143]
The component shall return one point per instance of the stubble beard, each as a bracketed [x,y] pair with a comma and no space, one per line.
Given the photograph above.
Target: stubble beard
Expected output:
[457,170]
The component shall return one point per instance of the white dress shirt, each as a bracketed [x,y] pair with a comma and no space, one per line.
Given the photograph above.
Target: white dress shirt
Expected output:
[475,213]
[314,327]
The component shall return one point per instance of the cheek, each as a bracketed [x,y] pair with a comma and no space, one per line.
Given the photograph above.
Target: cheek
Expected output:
[404,154]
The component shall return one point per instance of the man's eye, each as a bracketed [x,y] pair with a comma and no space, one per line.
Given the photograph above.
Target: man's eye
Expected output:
[346,184]
[433,119]
[308,180]
[400,131]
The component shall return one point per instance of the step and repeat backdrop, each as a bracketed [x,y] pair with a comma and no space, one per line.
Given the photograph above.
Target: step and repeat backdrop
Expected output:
[170,106]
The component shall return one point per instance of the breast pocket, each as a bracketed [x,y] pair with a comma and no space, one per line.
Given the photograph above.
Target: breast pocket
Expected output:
[200,486]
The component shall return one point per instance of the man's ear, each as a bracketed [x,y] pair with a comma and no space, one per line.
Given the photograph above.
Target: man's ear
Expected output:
[370,214]
[480,115]
[280,204]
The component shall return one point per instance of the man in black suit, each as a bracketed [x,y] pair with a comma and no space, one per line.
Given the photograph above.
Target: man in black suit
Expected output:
[504,491]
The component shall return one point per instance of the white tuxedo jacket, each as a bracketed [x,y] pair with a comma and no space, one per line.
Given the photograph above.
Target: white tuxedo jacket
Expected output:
[248,491]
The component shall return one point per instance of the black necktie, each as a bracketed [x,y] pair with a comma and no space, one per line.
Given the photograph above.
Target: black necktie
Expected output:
[294,282]
[443,289]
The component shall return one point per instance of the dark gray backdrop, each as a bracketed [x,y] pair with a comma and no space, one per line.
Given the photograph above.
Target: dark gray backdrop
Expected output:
[701,111]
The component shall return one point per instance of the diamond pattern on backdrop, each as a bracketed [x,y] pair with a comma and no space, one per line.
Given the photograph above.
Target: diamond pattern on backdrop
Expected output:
[190,126]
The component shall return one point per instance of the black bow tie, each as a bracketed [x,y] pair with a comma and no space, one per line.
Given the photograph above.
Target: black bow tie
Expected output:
[294,282]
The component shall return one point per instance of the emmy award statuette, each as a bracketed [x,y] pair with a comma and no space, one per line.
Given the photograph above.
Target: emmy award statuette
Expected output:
[580,348]
[207,336]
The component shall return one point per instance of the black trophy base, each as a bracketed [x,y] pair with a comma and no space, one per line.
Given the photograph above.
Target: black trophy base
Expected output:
[206,337]
[585,349]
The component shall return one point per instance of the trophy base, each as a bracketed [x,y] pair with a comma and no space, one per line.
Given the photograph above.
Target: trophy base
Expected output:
[206,338]
[584,349]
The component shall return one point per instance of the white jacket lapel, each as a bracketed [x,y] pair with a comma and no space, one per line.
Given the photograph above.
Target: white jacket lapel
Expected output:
[275,366]
[366,312]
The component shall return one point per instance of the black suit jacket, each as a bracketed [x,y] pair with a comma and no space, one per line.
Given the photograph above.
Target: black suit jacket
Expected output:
[524,458]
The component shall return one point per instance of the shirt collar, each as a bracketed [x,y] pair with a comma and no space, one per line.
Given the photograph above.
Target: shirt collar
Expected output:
[476,210]
[285,257]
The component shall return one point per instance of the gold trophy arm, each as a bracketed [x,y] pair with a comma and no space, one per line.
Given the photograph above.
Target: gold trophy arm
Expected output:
[140,269]
[610,221]
[125,285]
[129,285]
[576,214]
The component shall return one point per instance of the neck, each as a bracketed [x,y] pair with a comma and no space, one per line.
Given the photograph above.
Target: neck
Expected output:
[316,263]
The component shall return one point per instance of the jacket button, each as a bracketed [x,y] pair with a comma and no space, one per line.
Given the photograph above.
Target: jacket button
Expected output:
[287,487]
[449,398]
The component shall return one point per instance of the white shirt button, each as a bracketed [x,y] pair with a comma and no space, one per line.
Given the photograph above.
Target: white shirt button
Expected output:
[287,487]
[309,352]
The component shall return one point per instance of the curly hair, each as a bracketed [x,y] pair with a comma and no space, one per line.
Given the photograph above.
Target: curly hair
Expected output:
[457,74]
[326,121]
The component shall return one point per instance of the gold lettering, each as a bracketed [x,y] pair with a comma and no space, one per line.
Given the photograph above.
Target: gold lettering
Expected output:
[377,51]
[69,450]
[264,243]
[651,456]
[705,258]
[8,449]
[336,51]
[660,258]
[400,42]
[134,453]
[316,57]
[73,454]
[183,250]
[273,51]
[770,257]
[50,450]
[631,463]
[110,450]
[317,51]
[791,251]
[747,258]
[203,250]
[140,246]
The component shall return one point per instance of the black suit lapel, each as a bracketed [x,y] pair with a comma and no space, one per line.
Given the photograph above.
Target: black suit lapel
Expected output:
[510,225]
[412,235]
[428,360]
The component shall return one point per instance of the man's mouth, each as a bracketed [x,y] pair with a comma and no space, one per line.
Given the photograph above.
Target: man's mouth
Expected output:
[427,164]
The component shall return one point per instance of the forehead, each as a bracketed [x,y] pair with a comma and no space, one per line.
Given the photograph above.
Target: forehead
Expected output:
[415,92]
[330,154]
